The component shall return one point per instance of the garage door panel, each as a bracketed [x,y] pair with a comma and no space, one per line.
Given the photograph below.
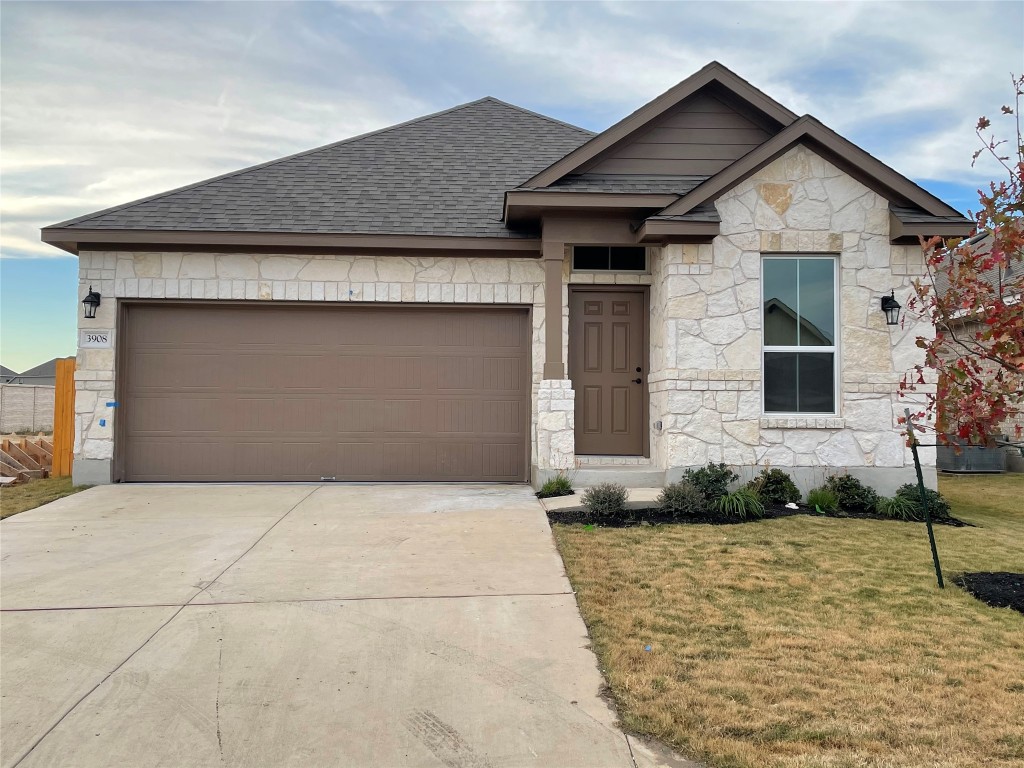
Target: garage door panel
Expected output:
[362,460]
[299,393]
[502,374]
[502,417]
[358,415]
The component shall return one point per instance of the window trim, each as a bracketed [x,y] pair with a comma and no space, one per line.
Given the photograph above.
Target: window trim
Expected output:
[834,348]
[645,271]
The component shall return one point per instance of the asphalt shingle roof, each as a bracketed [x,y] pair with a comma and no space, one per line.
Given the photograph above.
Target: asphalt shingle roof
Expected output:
[444,174]
[917,216]
[659,185]
[1007,280]
[706,212]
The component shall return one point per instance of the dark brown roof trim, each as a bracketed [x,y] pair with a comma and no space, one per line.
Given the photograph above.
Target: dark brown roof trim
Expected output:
[870,171]
[73,241]
[712,73]
[521,204]
[663,231]
[908,231]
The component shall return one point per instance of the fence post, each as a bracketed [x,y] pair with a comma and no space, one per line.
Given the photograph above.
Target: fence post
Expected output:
[64,417]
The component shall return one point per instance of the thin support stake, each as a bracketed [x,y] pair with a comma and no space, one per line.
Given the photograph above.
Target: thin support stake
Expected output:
[924,498]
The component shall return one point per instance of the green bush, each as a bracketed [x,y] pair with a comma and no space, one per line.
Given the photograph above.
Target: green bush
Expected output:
[897,507]
[823,499]
[559,485]
[936,503]
[712,481]
[853,495]
[682,499]
[605,499]
[742,504]
[773,486]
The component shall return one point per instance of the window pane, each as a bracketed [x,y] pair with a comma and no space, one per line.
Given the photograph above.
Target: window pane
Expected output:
[817,303]
[780,297]
[815,374]
[799,382]
[780,382]
[590,257]
[629,258]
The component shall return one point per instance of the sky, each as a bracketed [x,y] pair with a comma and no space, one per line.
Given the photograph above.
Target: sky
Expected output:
[103,103]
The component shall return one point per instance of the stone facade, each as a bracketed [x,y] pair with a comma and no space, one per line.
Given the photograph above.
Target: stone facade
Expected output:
[705,326]
[706,330]
[555,425]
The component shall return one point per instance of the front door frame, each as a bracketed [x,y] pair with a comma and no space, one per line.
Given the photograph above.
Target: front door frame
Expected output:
[645,291]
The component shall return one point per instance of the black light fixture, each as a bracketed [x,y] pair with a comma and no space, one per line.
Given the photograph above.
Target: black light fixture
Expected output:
[891,307]
[91,301]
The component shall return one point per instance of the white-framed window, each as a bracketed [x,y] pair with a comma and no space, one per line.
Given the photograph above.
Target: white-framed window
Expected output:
[609,258]
[800,310]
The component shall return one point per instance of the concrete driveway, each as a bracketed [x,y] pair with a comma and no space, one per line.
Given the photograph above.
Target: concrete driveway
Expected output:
[388,625]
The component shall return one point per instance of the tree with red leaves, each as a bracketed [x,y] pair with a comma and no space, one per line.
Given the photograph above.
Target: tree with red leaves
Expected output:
[978,347]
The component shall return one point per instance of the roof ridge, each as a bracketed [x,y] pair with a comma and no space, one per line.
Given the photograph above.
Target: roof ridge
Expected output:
[542,116]
[259,166]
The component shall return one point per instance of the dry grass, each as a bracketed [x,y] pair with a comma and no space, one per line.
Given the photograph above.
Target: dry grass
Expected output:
[813,642]
[35,493]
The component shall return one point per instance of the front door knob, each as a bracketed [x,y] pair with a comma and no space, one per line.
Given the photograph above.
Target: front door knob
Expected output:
[638,381]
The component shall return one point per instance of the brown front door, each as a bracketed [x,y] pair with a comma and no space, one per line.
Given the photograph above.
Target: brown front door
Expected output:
[607,360]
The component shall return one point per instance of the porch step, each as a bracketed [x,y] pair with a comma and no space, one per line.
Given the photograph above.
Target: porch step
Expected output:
[613,461]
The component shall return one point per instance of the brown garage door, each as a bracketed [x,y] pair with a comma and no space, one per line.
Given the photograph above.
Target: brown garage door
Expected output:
[301,393]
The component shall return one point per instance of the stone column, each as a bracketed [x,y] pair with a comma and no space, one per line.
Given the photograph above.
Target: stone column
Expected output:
[556,436]
[554,253]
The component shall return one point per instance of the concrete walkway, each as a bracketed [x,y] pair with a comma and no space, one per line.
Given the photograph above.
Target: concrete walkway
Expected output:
[391,625]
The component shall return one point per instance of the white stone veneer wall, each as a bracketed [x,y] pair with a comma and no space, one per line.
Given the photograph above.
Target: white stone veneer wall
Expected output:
[268,278]
[706,329]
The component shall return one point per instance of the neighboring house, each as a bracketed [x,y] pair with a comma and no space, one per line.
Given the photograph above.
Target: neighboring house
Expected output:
[1009,284]
[490,294]
[45,373]
[7,376]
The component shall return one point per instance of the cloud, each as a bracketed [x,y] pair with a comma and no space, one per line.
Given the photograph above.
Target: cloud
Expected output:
[108,102]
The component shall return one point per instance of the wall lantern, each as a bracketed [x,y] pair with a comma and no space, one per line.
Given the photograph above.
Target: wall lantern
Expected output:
[91,301]
[891,307]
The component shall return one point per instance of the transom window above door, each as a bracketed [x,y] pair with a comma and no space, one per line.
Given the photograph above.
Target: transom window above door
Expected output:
[609,258]
[799,322]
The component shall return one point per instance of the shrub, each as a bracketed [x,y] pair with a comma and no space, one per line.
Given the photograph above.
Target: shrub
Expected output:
[853,495]
[559,485]
[741,504]
[897,507]
[712,481]
[823,499]
[936,503]
[682,499]
[605,499]
[773,486]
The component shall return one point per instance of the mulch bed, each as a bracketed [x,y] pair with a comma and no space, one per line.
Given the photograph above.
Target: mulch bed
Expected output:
[540,495]
[654,516]
[998,589]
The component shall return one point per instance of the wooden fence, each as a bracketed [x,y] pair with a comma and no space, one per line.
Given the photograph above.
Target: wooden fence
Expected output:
[64,418]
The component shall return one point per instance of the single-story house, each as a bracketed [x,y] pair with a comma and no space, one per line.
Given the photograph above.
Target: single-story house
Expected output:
[1007,282]
[489,294]
[44,373]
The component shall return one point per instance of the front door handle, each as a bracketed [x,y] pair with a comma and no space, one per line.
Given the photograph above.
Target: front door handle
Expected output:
[638,381]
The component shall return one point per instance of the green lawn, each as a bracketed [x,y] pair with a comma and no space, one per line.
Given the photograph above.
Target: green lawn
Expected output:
[809,641]
[35,493]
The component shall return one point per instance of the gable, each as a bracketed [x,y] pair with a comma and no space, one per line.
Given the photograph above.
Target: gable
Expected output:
[714,81]
[698,137]
[851,159]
